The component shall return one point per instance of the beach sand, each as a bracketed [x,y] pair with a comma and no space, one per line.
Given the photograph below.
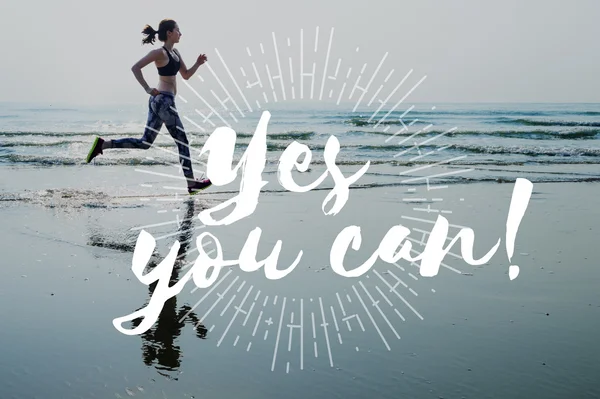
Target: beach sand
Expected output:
[469,332]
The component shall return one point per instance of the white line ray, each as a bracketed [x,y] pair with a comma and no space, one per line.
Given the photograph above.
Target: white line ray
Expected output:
[384,102]
[456,172]
[403,129]
[234,81]
[205,295]
[230,97]
[337,329]
[248,314]
[366,89]
[160,174]
[159,224]
[207,104]
[431,165]
[438,136]
[237,311]
[278,334]
[376,305]
[371,317]
[398,295]
[426,128]
[326,334]
[312,316]
[279,66]
[179,232]
[227,306]
[167,135]
[384,296]
[195,124]
[429,153]
[301,334]
[257,323]
[221,296]
[401,101]
[340,302]
[398,278]
[326,65]
[399,314]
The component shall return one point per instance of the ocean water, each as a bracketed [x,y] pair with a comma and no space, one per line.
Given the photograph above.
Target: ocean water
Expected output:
[69,232]
[484,142]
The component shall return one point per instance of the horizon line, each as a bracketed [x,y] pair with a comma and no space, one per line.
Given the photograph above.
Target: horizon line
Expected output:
[307,101]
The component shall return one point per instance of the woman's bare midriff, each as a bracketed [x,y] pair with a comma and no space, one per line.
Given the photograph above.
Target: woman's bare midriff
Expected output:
[167,83]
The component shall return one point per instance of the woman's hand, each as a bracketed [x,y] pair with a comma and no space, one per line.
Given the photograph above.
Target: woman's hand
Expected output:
[201,59]
[152,91]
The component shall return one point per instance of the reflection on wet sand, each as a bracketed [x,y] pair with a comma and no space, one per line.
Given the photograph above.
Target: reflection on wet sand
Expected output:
[159,348]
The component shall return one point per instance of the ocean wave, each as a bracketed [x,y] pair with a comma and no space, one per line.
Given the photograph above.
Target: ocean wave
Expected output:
[301,135]
[37,144]
[530,151]
[482,149]
[70,161]
[296,135]
[49,109]
[534,122]
[375,121]
[19,133]
[490,149]
[487,112]
[39,160]
[457,179]
[279,141]
[553,157]
[529,134]
[495,113]
[349,149]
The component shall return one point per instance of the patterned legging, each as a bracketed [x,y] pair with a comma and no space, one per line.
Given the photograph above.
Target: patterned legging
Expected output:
[162,110]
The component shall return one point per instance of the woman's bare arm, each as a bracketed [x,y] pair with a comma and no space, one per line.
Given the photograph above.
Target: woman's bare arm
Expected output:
[152,56]
[188,73]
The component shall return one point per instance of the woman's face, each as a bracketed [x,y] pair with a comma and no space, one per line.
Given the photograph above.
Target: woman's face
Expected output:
[175,34]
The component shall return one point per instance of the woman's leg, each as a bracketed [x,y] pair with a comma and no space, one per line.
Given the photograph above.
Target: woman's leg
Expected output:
[168,112]
[153,126]
[177,132]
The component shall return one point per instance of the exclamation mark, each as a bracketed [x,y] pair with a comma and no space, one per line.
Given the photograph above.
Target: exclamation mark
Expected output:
[518,205]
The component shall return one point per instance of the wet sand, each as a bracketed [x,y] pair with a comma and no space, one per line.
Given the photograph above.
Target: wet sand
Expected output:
[67,245]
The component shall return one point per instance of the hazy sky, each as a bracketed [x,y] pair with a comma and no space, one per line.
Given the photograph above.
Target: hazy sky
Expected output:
[470,51]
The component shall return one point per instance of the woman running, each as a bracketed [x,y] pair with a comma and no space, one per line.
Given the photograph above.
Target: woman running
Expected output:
[161,104]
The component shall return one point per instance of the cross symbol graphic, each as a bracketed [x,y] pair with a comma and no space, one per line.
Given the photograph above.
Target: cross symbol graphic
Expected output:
[269,321]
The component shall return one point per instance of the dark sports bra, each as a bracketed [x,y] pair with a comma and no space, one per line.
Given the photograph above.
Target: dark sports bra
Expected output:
[171,68]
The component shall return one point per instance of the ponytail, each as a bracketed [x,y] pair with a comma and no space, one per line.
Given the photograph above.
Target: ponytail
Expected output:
[164,26]
[150,35]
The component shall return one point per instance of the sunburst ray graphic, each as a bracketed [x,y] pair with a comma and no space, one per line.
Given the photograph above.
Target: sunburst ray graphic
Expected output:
[308,67]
